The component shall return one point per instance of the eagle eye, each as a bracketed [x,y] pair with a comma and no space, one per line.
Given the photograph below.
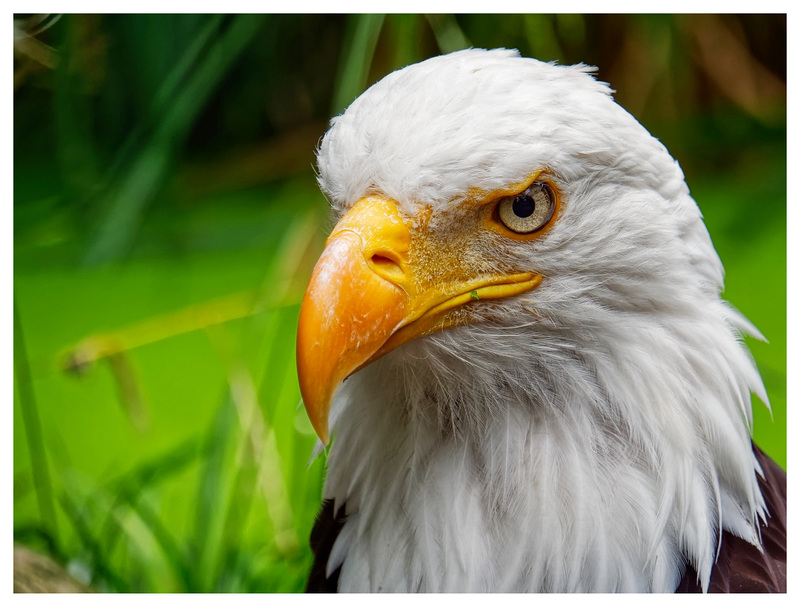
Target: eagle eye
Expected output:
[527,211]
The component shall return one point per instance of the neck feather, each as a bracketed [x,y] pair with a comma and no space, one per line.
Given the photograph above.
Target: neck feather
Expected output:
[475,461]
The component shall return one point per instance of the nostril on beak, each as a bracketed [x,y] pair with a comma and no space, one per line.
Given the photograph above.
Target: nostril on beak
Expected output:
[387,267]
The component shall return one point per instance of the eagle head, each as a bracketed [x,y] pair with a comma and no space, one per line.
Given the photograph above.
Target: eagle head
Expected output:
[516,336]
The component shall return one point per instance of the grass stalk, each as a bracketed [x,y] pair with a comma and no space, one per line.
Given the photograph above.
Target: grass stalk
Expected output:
[358,50]
[33,429]
[140,185]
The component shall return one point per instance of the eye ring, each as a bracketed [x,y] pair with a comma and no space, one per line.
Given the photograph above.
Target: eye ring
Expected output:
[528,211]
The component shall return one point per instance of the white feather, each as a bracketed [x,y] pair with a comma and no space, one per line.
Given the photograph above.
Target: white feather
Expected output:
[589,435]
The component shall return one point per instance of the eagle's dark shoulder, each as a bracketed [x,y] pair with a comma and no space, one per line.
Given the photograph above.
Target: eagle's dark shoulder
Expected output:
[326,528]
[741,567]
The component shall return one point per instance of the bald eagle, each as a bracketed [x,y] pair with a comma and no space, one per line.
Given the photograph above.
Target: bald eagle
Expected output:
[516,339]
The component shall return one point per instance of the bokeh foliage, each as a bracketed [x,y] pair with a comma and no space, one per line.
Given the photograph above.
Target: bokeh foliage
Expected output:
[166,219]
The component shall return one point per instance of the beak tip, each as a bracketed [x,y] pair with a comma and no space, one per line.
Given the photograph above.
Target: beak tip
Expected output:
[320,425]
[317,407]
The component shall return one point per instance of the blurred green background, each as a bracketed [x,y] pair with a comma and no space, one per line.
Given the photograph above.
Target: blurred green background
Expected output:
[166,219]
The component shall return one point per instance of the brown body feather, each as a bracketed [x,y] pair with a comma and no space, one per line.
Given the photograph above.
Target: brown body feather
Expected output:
[740,566]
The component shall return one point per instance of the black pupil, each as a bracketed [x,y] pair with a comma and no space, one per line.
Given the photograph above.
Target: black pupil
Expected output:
[523,206]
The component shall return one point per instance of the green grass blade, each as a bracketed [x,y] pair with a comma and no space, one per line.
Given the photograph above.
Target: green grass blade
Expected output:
[130,488]
[126,204]
[174,556]
[406,31]
[541,36]
[449,36]
[164,97]
[360,41]
[100,565]
[210,501]
[33,429]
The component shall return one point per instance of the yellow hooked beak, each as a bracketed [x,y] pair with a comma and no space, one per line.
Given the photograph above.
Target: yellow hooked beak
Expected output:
[368,295]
